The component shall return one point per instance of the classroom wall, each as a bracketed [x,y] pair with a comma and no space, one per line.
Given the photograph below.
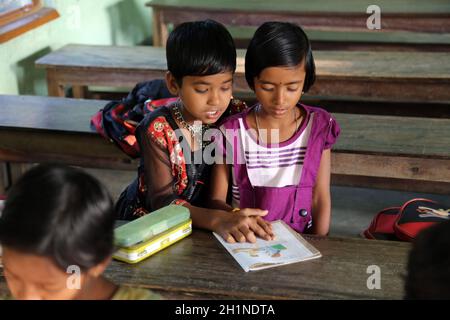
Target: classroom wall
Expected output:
[106,22]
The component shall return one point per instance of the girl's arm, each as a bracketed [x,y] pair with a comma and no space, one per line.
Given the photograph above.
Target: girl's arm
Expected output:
[234,226]
[321,204]
[220,176]
[241,226]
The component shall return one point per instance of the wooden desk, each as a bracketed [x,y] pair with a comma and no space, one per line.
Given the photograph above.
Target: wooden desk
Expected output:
[43,129]
[366,40]
[356,75]
[199,267]
[412,15]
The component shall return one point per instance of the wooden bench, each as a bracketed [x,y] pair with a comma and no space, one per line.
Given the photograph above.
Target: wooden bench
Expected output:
[43,129]
[199,267]
[413,15]
[356,75]
[368,40]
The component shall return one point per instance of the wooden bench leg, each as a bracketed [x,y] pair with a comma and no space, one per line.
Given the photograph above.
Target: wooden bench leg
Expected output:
[16,170]
[55,89]
[160,32]
[4,177]
[80,92]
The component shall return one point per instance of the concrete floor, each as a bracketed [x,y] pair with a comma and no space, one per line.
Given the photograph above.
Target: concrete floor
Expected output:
[352,208]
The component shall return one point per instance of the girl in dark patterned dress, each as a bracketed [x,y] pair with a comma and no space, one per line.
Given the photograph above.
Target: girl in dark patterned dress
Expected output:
[201,59]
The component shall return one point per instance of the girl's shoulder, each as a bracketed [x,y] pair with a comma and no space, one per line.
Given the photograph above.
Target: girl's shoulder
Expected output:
[159,125]
[233,121]
[325,127]
[160,114]
[317,111]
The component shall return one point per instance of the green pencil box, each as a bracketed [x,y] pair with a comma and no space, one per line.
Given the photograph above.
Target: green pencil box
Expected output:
[151,224]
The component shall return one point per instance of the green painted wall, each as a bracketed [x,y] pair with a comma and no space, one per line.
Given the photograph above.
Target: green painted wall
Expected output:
[107,22]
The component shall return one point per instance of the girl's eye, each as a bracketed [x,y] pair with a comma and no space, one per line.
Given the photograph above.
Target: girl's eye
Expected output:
[225,88]
[267,88]
[292,89]
[200,90]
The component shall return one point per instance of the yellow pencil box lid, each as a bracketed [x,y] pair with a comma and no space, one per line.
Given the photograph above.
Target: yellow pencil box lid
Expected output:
[145,249]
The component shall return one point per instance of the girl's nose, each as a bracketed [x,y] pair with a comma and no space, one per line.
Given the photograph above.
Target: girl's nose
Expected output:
[278,98]
[213,98]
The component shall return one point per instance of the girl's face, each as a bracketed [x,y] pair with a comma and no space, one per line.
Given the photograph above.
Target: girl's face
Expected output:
[32,277]
[279,89]
[205,98]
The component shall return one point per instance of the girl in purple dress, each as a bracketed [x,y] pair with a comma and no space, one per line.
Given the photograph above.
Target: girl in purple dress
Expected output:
[276,154]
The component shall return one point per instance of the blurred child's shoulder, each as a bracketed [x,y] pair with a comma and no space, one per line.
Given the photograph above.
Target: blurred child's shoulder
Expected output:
[133,293]
[320,114]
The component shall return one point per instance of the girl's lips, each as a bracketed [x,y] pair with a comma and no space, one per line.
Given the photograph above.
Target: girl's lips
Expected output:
[214,114]
[279,111]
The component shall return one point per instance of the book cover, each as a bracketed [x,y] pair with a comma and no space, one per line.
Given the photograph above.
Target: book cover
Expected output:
[287,247]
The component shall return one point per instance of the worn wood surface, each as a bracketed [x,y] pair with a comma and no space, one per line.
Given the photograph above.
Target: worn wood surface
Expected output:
[55,130]
[398,184]
[43,129]
[364,40]
[419,7]
[388,76]
[415,15]
[4,179]
[199,267]
[381,36]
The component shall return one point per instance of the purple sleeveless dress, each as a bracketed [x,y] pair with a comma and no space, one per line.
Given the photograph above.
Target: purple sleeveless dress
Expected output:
[278,178]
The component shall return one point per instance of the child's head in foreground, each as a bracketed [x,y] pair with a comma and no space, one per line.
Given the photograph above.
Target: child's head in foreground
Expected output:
[429,264]
[201,61]
[56,220]
[279,65]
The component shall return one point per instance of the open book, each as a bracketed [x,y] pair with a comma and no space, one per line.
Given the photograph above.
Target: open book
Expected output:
[287,247]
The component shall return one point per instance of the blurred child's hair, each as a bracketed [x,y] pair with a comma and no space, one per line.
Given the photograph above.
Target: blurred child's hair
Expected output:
[61,213]
[428,271]
[279,44]
[200,48]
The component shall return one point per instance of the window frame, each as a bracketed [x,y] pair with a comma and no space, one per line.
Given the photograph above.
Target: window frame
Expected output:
[20,12]
[19,21]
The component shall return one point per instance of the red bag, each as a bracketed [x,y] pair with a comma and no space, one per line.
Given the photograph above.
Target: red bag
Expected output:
[405,222]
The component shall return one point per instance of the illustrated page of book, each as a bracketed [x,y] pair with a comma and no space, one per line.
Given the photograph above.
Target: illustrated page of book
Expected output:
[285,248]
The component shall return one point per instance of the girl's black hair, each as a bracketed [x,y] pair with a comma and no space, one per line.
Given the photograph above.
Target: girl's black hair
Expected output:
[277,44]
[61,213]
[200,48]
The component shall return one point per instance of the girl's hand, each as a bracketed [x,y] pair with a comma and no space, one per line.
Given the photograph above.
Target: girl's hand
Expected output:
[241,226]
[263,228]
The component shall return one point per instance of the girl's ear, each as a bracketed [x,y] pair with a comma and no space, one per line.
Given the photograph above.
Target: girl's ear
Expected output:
[172,84]
[97,270]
